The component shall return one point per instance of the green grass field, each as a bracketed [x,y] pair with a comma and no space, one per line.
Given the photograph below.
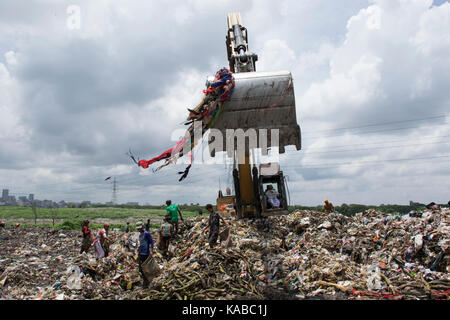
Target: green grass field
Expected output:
[73,217]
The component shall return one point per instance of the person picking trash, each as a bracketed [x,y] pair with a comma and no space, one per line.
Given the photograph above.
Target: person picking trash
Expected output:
[145,248]
[87,237]
[166,233]
[328,206]
[147,225]
[174,210]
[103,236]
[214,225]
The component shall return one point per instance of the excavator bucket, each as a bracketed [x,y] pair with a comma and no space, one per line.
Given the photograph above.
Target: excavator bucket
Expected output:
[261,100]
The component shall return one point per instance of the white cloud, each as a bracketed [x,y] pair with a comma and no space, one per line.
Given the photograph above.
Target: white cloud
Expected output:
[276,55]
[344,92]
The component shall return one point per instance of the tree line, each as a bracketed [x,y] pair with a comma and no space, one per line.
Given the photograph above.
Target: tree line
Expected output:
[352,209]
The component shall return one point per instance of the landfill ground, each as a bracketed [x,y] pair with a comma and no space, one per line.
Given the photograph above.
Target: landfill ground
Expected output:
[154,219]
[304,255]
[114,216]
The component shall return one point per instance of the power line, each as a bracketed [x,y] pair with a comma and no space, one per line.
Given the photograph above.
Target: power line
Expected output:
[332,165]
[163,179]
[168,177]
[381,124]
[197,179]
[375,148]
[376,131]
[193,178]
[382,142]
[441,116]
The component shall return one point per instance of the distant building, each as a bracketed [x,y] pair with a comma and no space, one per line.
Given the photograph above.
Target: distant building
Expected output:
[47,204]
[31,197]
[23,201]
[5,195]
[132,203]
[85,204]
[62,204]
[12,201]
[36,203]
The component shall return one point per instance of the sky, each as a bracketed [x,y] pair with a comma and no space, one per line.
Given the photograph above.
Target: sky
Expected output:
[371,81]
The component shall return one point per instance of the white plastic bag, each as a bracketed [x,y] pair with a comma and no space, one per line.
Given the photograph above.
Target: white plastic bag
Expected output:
[373,278]
[74,281]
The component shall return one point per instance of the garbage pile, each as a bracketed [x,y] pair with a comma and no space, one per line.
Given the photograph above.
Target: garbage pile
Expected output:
[196,271]
[310,254]
[304,255]
[370,255]
[32,259]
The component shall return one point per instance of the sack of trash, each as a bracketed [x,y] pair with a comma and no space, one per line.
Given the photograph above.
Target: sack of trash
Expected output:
[223,235]
[150,268]
[74,280]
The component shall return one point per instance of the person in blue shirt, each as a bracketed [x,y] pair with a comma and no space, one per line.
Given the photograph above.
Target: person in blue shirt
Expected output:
[145,248]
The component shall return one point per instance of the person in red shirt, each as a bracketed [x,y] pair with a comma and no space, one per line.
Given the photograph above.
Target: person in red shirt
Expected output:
[87,239]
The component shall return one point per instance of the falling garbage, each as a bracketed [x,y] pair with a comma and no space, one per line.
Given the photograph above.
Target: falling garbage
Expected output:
[205,114]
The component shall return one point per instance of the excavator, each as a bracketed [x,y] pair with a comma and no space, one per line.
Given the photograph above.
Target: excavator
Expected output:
[261,101]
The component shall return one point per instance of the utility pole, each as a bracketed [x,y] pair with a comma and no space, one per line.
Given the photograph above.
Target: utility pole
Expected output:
[54,214]
[33,207]
[114,193]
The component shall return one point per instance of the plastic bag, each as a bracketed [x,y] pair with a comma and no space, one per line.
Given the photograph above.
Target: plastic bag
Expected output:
[374,278]
[224,234]
[227,243]
[150,268]
[74,281]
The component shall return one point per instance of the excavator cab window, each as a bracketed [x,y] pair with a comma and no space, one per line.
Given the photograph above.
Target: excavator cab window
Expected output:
[272,191]
[274,186]
[271,195]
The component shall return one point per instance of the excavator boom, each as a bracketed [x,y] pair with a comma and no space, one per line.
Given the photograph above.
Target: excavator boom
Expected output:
[260,101]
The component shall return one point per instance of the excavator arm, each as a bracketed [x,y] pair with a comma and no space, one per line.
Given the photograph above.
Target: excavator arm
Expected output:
[239,58]
[260,101]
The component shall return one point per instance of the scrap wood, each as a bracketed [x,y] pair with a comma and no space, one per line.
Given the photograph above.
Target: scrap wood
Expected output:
[388,283]
[440,293]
